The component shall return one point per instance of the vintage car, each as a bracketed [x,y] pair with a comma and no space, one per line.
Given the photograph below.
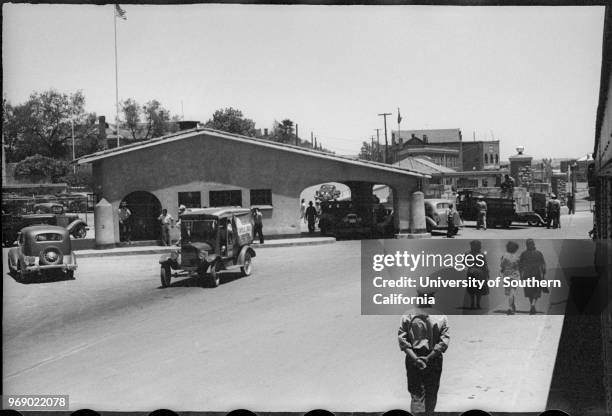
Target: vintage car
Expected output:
[50,213]
[212,240]
[42,249]
[436,214]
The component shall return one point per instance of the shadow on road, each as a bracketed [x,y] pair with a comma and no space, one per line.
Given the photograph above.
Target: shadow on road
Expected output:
[48,277]
[196,281]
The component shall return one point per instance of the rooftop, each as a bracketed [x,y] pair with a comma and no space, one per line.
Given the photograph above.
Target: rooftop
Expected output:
[186,134]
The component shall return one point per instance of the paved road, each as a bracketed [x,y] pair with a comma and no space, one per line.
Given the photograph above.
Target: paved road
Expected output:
[574,226]
[288,338]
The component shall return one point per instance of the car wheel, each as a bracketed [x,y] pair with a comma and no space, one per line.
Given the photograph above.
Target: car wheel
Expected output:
[165,275]
[533,223]
[12,268]
[213,275]
[507,224]
[246,269]
[80,232]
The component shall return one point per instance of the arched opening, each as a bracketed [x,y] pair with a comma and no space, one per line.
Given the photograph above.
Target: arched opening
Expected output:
[145,209]
[352,209]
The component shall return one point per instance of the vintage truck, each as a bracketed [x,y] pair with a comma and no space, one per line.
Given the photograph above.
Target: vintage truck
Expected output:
[502,208]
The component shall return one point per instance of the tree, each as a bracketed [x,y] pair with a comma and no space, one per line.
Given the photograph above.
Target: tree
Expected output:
[42,124]
[367,152]
[147,121]
[231,120]
[131,113]
[38,166]
[283,132]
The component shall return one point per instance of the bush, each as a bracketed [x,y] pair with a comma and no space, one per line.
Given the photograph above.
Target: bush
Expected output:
[38,165]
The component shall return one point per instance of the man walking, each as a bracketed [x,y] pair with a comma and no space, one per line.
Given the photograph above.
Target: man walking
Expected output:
[424,337]
[481,209]
[311,217]
[257,224]
[553,212]
[166,222]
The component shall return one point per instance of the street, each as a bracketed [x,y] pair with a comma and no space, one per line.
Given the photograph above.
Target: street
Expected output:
[288,338]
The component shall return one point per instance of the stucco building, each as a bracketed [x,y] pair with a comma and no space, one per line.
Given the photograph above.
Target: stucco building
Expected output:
[206,168]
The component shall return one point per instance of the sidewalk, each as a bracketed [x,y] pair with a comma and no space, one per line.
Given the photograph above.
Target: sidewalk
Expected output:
[140,250]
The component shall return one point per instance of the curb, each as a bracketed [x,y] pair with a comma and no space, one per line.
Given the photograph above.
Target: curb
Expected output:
[161,250]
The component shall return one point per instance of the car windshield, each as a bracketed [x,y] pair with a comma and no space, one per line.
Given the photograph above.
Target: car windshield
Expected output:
[198,230]
[48,237]
[442,205]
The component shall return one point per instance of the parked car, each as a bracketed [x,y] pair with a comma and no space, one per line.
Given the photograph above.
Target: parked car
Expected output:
[436,214]
[49,213]
[212,240]
[42,249]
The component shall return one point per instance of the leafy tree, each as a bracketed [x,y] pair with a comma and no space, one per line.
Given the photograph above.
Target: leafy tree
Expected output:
[366,152]
[231,120]
[42,167]
[41,124]
[131,113]
[147,121]
[283,132]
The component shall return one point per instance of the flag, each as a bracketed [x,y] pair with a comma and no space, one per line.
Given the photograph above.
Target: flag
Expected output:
[399,117]
[119,12]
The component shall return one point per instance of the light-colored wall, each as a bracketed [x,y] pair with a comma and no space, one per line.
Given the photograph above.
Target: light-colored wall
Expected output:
[206,162]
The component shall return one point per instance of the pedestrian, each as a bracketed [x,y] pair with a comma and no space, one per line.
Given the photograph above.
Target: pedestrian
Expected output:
[481,209]
[479,274]
[507,186]
[571,208]
[257,224]
[166,223]
[553,212]
[453,221]
[532,265]
[125,223]
[311,216]
[509,267]
[424,336]
[179,222]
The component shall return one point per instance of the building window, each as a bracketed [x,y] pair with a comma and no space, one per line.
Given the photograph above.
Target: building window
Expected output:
[190,199]
[496,158]
[225,198]
[261,197]
[486,159]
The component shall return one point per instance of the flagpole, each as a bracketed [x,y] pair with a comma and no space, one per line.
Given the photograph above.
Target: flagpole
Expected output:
[399,134]
[116,80]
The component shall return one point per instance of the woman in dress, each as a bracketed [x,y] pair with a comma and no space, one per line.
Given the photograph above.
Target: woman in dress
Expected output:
[532,265]
[510,268]
[478,273]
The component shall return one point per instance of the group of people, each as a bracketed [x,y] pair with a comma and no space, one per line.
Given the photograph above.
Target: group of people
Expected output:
[424,333]
[167,222]
[530,263]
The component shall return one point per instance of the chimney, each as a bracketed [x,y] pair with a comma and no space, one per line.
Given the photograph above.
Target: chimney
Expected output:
[425,140]
[265,132]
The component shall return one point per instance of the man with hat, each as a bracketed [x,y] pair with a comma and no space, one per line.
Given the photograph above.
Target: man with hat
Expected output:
[125,227]
[424,336]
[257,224]
[553,212]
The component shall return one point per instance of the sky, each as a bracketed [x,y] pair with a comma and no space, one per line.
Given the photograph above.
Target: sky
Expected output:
[524,75]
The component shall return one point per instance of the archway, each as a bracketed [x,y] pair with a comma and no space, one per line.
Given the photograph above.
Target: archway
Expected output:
[145,209]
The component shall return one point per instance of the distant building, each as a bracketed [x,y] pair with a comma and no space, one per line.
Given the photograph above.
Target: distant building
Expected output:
[446,148]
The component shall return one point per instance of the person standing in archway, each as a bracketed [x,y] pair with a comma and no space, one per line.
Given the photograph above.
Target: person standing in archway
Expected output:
[257,224]
[125,228]
[311,217]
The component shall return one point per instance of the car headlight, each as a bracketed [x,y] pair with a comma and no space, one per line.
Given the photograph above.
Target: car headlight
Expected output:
[29,260]
[202,254]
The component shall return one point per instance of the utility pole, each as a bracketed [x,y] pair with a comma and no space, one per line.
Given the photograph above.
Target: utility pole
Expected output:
[297,140]
[377,145]
[386,140]
[311,140]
